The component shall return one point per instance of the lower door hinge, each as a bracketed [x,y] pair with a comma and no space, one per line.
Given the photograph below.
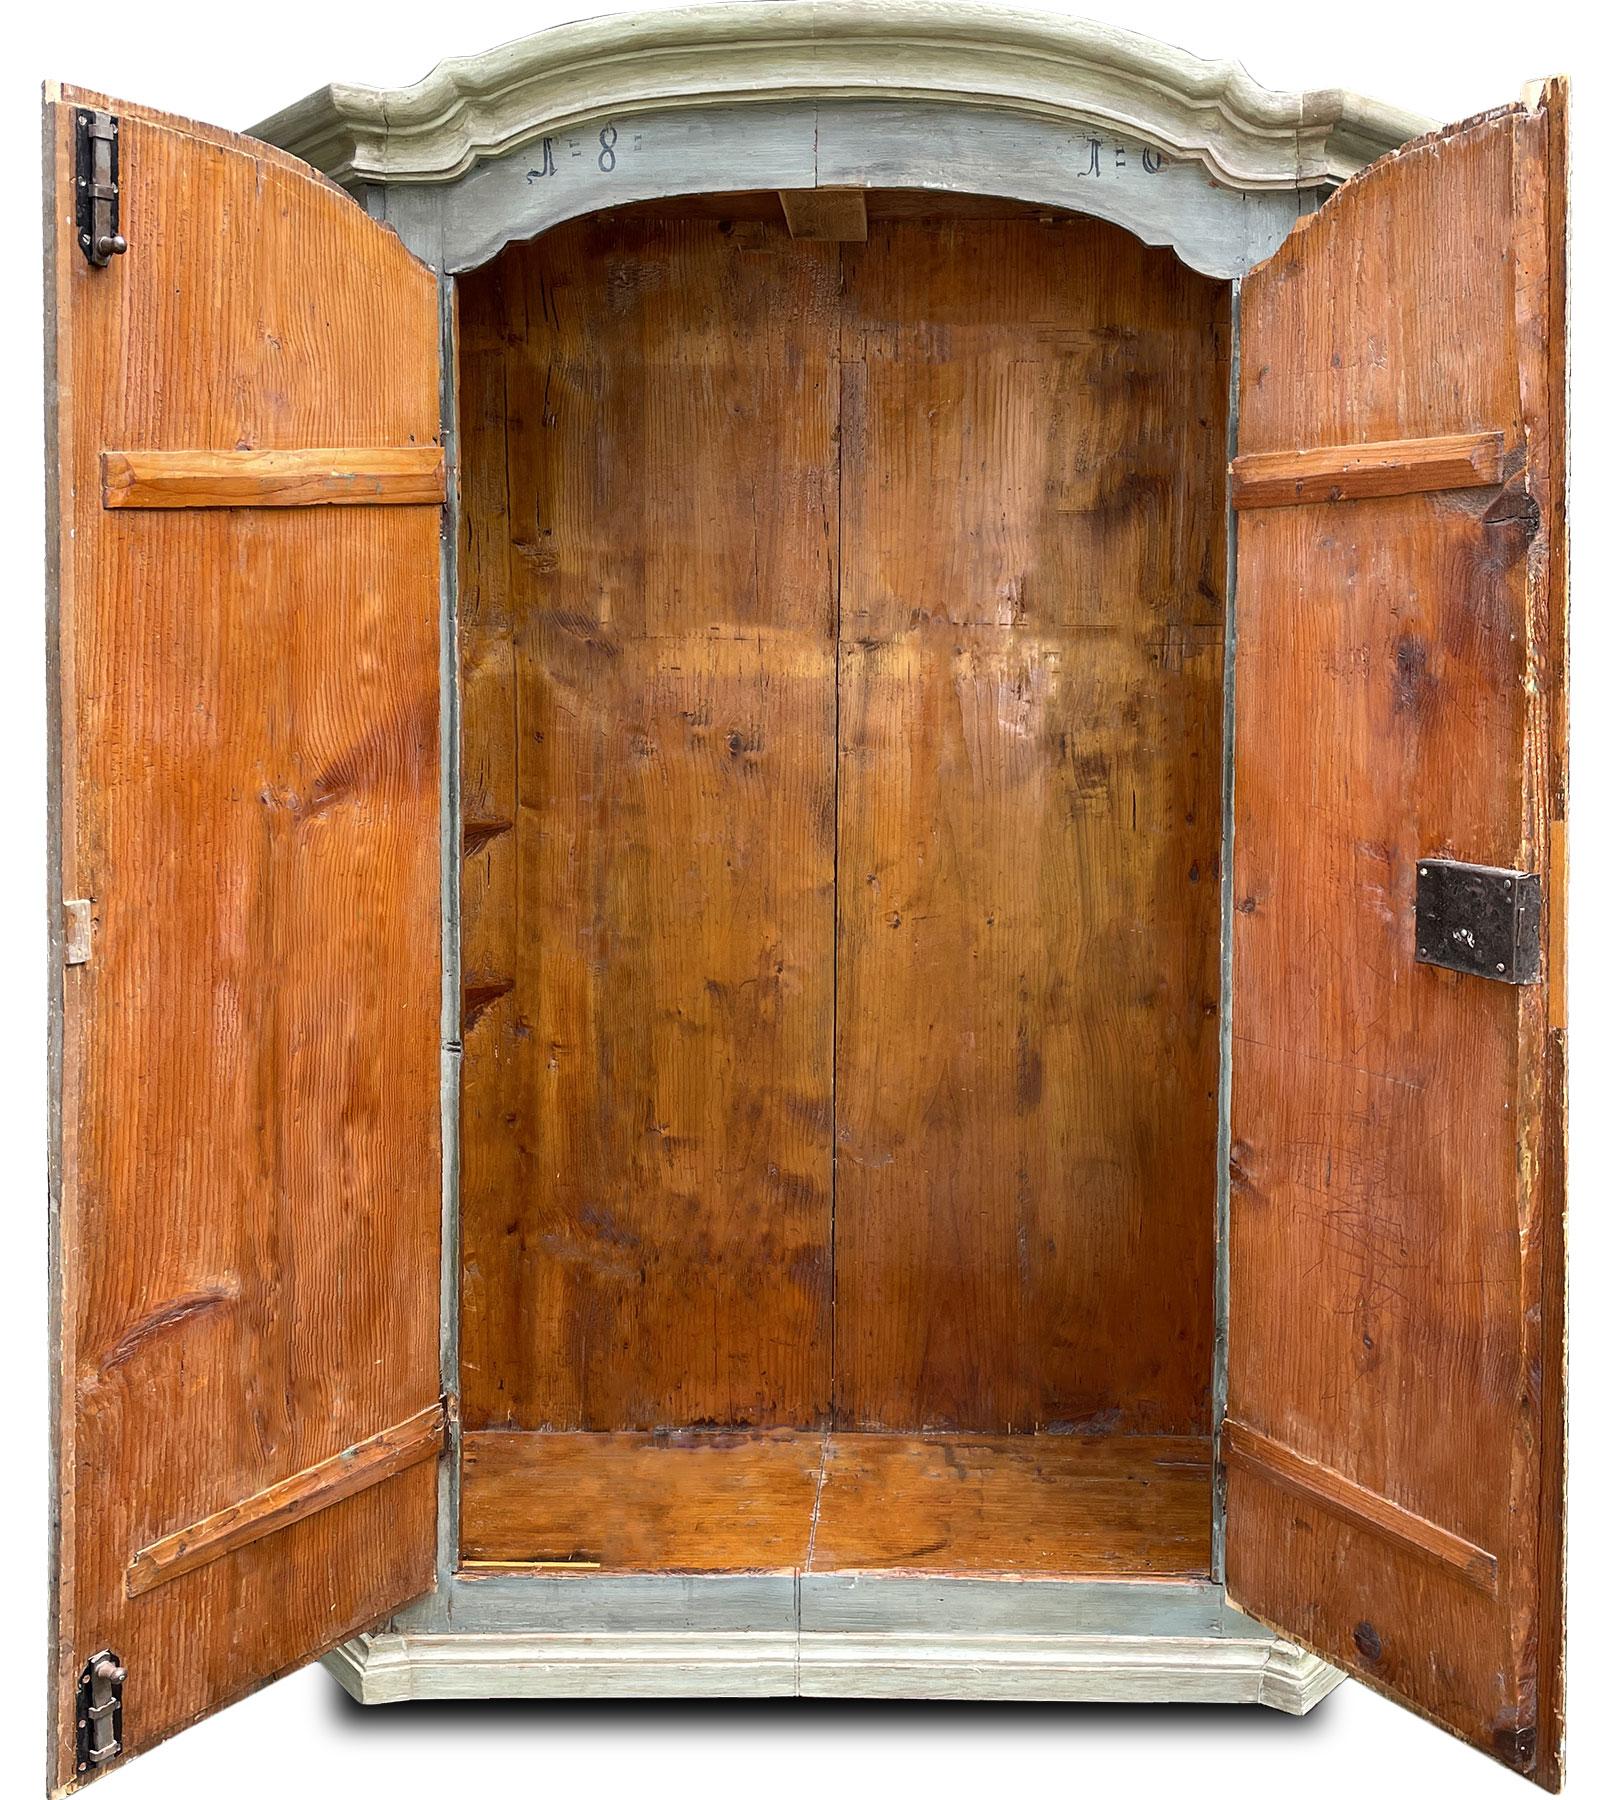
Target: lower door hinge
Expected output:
[100,1711]
[99,189]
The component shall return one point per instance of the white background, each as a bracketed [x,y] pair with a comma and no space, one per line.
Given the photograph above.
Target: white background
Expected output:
[232,66]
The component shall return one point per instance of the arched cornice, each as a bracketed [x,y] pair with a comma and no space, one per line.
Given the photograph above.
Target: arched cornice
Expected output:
[472,109]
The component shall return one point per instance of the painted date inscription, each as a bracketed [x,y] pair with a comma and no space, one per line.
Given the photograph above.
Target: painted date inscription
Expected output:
[1150,160]
[606,146]
[1101,157]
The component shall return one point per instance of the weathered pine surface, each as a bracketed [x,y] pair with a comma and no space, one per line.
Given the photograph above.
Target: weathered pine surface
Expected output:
[1397,1199]
[648,608]
[248,1243]
[1029,829]
[940,894]
[935,1504]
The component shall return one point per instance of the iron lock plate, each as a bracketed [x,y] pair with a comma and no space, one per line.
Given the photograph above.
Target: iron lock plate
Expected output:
[1478,920]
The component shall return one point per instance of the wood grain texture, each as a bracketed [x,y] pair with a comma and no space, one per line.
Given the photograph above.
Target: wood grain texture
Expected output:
[407,475]
[673,1501]
[246,705]
[1313,1482]
[1546,383]
[1031,659]
[1022,1505]
[299,1496]
[821,1502]
[649,592]
[1368,471]
[833,215]
[1397,1180]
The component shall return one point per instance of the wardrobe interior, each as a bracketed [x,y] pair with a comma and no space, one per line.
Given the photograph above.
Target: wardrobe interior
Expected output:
[841,635]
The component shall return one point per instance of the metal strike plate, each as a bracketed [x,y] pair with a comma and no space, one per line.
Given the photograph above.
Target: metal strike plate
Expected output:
[1477,920]
[100,1711]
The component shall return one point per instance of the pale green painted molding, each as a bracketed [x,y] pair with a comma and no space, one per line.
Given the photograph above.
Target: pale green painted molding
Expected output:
[473,108]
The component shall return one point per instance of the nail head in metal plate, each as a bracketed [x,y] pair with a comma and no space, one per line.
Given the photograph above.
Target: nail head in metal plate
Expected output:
[1478,920]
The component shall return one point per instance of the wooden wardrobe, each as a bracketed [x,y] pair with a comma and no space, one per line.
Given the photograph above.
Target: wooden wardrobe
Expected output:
[807,883]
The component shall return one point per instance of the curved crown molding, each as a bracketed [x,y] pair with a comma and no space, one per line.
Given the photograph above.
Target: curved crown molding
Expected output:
[473,108]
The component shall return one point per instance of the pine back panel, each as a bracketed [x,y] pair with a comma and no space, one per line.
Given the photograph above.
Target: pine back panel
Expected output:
[940,895]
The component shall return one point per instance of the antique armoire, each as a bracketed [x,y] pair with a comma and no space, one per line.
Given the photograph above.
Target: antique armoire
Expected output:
[808,882]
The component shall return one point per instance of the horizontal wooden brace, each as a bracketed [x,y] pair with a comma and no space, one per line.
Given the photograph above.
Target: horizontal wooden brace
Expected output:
[1357,1505]
[1367,471]
[406,475]
[298,1497]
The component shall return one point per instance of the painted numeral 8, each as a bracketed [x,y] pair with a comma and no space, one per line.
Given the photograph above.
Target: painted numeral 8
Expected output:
[607,137]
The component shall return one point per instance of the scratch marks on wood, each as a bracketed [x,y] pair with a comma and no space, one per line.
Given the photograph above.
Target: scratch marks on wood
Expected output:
[166,1318]
[1387,1195]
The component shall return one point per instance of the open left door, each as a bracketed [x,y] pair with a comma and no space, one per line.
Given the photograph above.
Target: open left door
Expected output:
[244,555]
[1393,1433]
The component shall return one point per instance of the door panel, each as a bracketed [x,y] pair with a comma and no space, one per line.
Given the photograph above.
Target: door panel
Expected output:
[1392,1442]
[244,687]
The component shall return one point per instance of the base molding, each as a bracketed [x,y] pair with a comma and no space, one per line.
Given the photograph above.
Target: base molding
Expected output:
[383,1667]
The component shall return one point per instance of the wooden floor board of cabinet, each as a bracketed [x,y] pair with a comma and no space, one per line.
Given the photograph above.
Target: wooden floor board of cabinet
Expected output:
[822,1502]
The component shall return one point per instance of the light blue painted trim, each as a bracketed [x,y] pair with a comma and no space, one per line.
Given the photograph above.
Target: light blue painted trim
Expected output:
[937,146]
[1229,688]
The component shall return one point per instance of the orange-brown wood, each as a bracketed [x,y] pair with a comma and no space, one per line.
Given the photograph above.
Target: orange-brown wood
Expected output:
[244,710]
[833,215]
[1367,471]
[648,603]
[1045,1505]
[407,475]
[1547,453]
[1397,1178]
[360,1466]
[1033,490]
[720,1502]
[1028,747]
[684,1501]
[1312,1482]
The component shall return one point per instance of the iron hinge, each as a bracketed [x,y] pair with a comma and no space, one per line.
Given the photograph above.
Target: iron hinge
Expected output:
[100,234]
[1478,920]
[100,1711]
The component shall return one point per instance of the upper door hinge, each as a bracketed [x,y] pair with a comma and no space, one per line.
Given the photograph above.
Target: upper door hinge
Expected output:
[100,234]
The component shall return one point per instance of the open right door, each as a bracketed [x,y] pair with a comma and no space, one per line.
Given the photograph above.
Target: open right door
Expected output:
[1394,1421]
